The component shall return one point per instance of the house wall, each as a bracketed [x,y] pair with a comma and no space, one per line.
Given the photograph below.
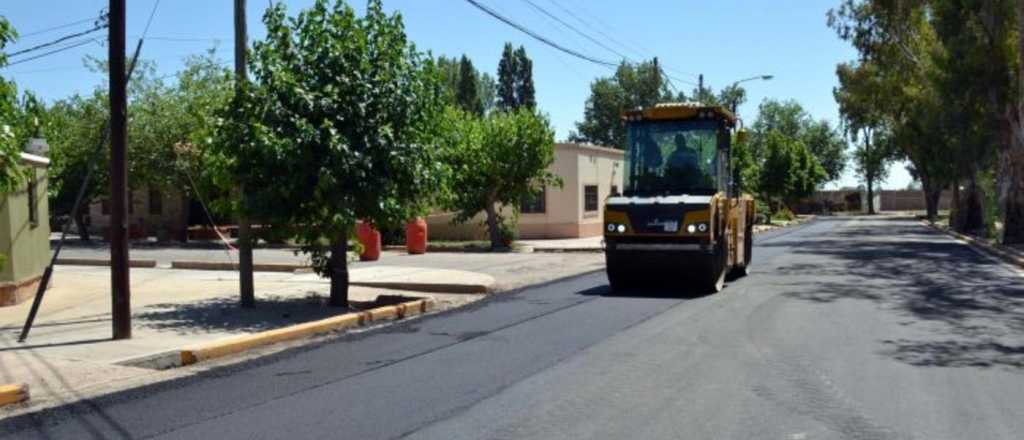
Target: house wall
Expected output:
[169,220]
[564,216]
[24,244]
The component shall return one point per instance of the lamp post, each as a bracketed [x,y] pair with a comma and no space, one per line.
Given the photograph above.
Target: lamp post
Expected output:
[737,83]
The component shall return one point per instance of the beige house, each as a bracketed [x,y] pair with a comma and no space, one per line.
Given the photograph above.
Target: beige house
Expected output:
[589,175]
[151,212]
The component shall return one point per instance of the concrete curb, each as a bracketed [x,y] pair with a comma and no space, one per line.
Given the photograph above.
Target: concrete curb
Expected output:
[103,262]
[424,287]
[237,344]
[13,393]
[1007,256]
[218,265]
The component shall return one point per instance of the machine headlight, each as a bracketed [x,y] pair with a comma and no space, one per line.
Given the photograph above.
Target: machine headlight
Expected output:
[703,227]
[691,229]
[622,228]
[611,227]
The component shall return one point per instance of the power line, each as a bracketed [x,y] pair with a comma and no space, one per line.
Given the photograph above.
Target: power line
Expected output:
[63,26]
[634,47]
[99,26]
[537,36]
[150,21]
[597,29]
[58,50]
[574,29]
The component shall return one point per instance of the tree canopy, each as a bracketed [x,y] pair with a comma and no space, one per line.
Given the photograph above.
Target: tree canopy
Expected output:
[337,127]
[499,161]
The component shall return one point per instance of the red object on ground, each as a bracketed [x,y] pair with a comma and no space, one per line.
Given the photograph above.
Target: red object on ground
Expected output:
[416,236]
[369,237]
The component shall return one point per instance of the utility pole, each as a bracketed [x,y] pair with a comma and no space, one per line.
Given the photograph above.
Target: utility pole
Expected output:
[119,277]
[245,278]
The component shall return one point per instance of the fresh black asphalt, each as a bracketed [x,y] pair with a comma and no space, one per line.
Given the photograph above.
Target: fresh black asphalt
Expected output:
[847,328]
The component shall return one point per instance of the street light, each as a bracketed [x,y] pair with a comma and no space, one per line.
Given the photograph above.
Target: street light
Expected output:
[737,83]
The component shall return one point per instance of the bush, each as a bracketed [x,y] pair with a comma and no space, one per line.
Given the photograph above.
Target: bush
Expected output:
[785,214]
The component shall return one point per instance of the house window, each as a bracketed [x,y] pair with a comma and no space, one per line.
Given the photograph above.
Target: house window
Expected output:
[615,190]
[590,198]
[536,203]
[33,200]
[156,202]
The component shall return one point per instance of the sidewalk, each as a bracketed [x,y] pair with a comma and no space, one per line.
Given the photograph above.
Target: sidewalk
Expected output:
[69,356]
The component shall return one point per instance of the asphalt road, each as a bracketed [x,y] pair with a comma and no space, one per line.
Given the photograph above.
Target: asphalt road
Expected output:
[848,328]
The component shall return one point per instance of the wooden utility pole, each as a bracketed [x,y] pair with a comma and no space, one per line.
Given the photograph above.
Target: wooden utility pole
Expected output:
[119,277]
[245,282]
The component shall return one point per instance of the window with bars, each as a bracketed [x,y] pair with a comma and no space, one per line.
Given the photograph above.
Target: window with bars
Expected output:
[590,198]
[536,204]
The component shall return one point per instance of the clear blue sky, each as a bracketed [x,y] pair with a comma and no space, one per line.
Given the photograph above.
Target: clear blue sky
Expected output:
[725,40]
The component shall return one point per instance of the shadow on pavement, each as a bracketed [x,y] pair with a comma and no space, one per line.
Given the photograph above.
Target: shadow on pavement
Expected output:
[651,290]
[224,314]
[968,305]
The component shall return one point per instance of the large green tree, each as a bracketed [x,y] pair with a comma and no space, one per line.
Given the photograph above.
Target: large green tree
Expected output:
[499,161]
[459,77]
[467,93]
[791,120]
[10,150]
[337,126]
[515,80]
[789,171]
[632,86]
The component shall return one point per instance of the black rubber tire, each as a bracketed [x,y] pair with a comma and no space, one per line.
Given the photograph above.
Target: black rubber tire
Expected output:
[743,269]
[714,280]
[617,277]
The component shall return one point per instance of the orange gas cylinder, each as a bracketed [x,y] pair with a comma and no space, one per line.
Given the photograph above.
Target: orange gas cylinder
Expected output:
[369,237]
[416,236]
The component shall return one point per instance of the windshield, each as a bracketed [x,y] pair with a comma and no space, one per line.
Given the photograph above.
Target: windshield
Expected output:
[671,158]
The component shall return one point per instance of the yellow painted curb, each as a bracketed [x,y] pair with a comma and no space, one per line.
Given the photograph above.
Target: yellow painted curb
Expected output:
[239,344]
[13,393]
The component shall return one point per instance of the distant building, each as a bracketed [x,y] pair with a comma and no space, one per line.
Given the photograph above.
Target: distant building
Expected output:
[151,213]
[589,175]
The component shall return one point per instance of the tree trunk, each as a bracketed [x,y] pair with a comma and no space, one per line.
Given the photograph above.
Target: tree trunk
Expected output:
[186,208]
[1013,151]
[83,229]
[871,195]
[968,212]
[931,197]
[493,226]
[1013,204]
[338,264]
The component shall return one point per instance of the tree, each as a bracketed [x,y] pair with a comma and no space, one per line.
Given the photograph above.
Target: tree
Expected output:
[338,126]
[10,150]
[456,83]
[872,158]
[487,92]
[524,81]
[515,80]
[631,86]
[499,161]
[467,95]
[789,172]
[508,69]
[777,176]
[827,145]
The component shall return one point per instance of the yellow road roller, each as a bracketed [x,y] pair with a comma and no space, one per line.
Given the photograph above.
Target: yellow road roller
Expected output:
[679,218]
